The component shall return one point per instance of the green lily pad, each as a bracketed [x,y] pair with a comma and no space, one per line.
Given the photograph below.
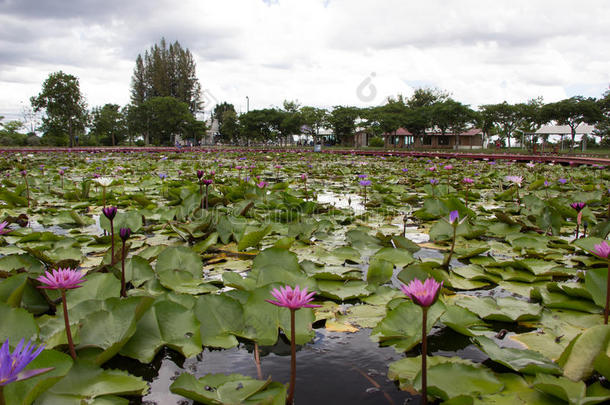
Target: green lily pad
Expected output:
[219,389]
[402,325]
[166,323]
[522,361]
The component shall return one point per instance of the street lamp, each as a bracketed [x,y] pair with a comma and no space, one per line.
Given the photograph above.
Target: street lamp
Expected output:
[247,104]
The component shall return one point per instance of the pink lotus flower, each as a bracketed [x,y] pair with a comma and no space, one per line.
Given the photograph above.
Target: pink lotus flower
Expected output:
[578,206]
[423,294]
[467,180]
[3,229]
[62,279]
[602,250]
[293,299]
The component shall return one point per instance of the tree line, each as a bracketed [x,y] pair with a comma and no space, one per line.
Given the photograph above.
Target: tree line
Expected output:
[166,99]
[425,109]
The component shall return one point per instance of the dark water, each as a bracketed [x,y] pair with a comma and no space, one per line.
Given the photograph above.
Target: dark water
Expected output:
[335,368]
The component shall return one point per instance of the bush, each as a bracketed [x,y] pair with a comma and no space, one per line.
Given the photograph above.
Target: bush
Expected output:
[376,142]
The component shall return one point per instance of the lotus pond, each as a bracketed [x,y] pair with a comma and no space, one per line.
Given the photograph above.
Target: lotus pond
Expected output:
[519,319]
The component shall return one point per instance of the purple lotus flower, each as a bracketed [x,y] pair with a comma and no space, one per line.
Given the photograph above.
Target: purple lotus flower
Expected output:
[303,176]
[602,250]
[433,181]
[61,172]
[293,299]
[578,206]
[13,364]
[448,167]
[109,212]
[363,176]
[423,294]
[454,216]
[405,169]
[467,180]
[200,174]
[24,173]
[365,183]
[162,176]
[124,233]
[207,182]
[562,181]
[3,229]
[514,179]
[262,184]
[62,279]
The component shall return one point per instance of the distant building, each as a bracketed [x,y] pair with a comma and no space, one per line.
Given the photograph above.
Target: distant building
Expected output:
[434,139]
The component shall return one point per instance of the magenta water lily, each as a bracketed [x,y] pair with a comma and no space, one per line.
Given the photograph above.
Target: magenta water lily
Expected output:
[293,299]
[62,280]
[425,295]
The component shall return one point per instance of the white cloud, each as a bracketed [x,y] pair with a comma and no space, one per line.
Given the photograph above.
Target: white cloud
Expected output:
[315,51]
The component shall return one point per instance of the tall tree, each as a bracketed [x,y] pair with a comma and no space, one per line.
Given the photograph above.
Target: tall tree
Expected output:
[229,129]
[603,126]
[313,119]
[166,118]
[418,117]
[573,112]
[342,120]
[108,124]
[166,72]
[219,111]
[64,105]
[508,117]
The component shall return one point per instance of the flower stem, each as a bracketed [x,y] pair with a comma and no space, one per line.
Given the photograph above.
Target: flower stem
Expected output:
[123,290]
[293,360]
[104,196]
[67,321]
[27,189]
[424,352]
[112,243]
[201,193]
[2,401]
[607,309]
[206,196]
[448,258]
[257,360]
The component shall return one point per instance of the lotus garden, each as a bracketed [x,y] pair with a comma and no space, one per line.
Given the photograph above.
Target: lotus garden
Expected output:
[226,277]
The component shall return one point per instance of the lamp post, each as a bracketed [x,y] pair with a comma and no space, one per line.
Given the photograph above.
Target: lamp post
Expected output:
[247,104]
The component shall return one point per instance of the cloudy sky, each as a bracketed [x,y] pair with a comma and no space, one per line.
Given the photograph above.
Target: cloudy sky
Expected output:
[320,52]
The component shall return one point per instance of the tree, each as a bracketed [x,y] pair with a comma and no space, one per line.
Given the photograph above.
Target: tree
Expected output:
[342,120]
[573,112]
[508,117]
[108,124]
[229,129]
[9,133]
[603,126]
[313,119]
[166,117]
[220,109]
[456,116]
[418,116]
[65,107]
[166,72]
[257,125]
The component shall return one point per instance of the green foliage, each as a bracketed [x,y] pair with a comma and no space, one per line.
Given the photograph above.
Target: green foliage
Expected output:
[64,106]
